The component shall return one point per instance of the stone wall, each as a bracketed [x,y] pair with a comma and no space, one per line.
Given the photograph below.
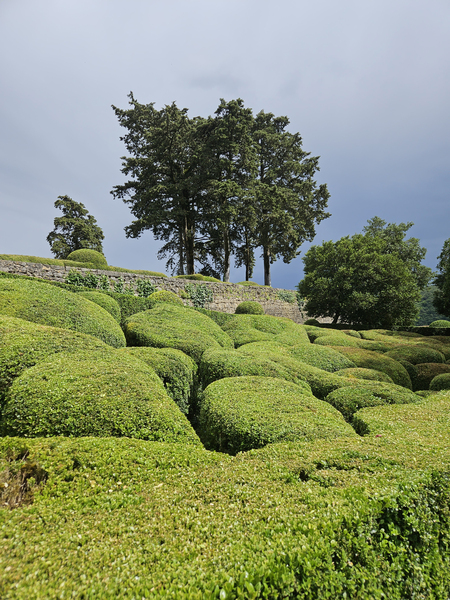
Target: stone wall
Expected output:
[226,296]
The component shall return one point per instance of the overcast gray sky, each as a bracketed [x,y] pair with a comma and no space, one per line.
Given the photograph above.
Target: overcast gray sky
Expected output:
[365,82]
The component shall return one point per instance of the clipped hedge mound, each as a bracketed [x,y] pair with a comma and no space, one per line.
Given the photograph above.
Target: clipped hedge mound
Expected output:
[165,296]
[171,326]
[379,362]
[440,323]
[245,329]
[321,357]
[46,304]
[176,370]
[367,374]
[416,354]
[440,382]
[347,341]
[105,301]
[220,318]
[218,364]
[84,255]
[23,344]
[93,393]
[249,308]
[349,400]
[241,413]
[426,372]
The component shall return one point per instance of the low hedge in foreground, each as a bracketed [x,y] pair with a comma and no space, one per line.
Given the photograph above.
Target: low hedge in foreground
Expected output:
[93,393]
[245,329]
[241,413]
[45,304]
[176,370]
[171,326]
[125,518]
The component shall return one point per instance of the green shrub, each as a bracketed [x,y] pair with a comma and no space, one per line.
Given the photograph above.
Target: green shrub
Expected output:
[105,301]
[412,372]
[313,322]
[440,382]
[172,326]
[416,354]
[287,296]
[201,295]
[249,283]
[321,357]
[244,329]
[440,323]
[84,255]
[130,305]
[218,317]
[352,333]
[45,304]
[93,393]
[349,400]
[145,288]
[165,296]
[361,373]
[249,308]
[426,372]
[218,364]
[198,277]
[241,413]
[176,370]
[379,362]
[341,339]
[23,344]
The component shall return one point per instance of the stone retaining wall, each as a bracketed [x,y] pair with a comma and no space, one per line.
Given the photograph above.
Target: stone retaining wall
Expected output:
[226,296]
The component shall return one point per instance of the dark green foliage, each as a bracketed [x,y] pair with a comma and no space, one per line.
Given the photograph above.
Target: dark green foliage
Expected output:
[172,326]
[42,303]
[313,322]
[92,257]
[165,296]
[416,354]
[130,305]
[249,308]
[440,382]
[241,413]
[379,362]
[321,357]
[426,372]
[145,288]
[287,296]
[427,311]
[441,300]
[348,400]
[175,369]
[75,230]
[361,373]
[93,393]
[440,323]
[244,329]
[105,301]
[201,295]
[218,364]
[218,317]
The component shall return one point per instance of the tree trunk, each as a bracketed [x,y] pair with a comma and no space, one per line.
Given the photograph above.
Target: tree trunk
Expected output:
[189,241]
[266,255]
[226,256]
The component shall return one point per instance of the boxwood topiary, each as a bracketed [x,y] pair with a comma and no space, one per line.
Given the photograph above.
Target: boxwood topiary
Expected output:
[416,354]
[93,393]
[105,301]
[313,322]
[172,326]
[426,372]
[241,413]
[440,323]
[217,316]
[165,296]
[244,329]
[176,370]
[84,255]
[349,400]
[440,382]
[249,307]
[368,374]
[321,357]
[39,302]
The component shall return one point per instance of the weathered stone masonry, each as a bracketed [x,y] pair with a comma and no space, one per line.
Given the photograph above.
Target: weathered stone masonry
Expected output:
[226,296]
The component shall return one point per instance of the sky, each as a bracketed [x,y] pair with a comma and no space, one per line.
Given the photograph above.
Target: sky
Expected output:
[365,82]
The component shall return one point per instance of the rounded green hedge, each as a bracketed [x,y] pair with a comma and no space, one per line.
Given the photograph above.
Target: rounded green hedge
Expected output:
[47,304]
[245,329]
[379,362]
[368,374]
[352,333]
[349,400]
[416,354]
[93,393]
[440,323]
[165,296]
[321,357]
[440,382]
[241,413]
[171,326]
[23,344]
[341,339]
[313,322]
[249,308]
[218,364]
[176,370]
[426,372]
[84,255]
[105,301]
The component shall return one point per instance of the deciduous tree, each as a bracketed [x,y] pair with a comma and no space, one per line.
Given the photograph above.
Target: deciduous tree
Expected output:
[441,298]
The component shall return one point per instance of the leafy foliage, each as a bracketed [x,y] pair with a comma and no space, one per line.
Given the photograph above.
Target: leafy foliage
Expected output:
[201,295]
[441,299]
[249,308]
[92,257]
